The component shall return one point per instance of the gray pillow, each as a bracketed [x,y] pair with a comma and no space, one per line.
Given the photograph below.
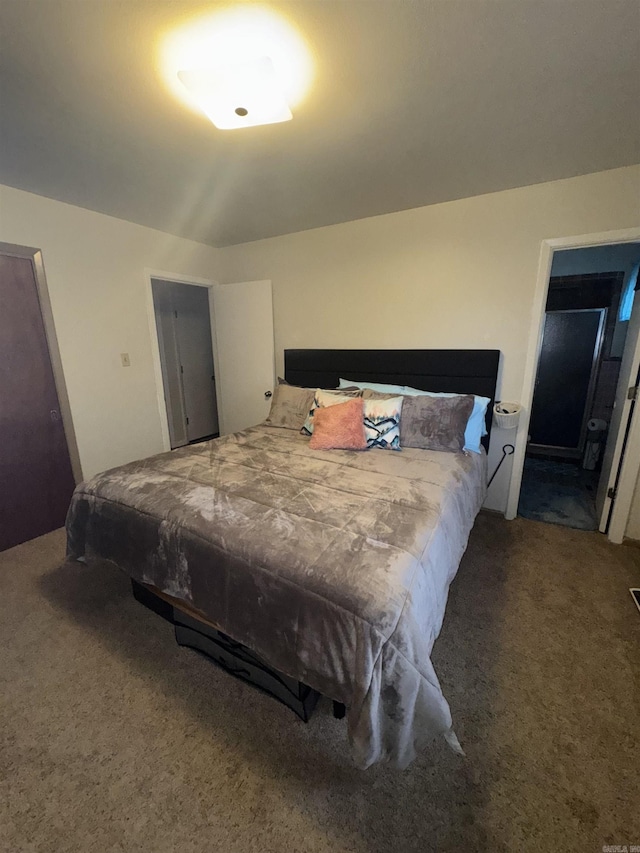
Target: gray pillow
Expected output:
[370,394]
[290,406]
[435,423]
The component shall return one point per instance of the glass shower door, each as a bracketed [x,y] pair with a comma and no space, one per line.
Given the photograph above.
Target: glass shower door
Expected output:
[565,382]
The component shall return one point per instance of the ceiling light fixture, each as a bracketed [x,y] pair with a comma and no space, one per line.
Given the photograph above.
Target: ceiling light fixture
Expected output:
[239,95]
[241,58]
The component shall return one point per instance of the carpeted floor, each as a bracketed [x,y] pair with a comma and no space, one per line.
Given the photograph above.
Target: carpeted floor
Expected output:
[115,739]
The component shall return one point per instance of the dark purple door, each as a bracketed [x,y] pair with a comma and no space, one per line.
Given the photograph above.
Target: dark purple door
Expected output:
[36,481]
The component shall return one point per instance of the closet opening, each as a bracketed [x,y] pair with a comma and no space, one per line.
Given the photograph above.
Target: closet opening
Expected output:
[183,327]
[572,429]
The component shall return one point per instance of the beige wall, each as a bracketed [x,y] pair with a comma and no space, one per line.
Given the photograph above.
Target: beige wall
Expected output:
[633,525]
[95,268]
[460,274]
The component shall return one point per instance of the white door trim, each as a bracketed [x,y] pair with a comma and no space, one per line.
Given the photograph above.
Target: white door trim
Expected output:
[627,483]
[178,278]
[631,465]
[624,410]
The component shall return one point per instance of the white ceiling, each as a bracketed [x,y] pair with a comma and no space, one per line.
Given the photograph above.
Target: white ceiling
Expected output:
[414,102]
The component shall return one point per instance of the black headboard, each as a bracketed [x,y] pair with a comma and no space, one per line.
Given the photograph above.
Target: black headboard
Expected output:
[462,371]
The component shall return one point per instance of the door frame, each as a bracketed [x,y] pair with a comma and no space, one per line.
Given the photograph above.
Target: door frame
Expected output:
[35,256]
[176,278]
[631,466]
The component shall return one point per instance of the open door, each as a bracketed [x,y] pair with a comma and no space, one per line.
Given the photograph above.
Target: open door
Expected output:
[620,421]
[245,364]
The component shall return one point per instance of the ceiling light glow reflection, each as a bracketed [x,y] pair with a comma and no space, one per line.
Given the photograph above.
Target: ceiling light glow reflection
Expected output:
[235,36]
[238,95]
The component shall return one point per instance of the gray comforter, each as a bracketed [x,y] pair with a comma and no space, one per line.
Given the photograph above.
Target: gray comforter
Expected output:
[332,565]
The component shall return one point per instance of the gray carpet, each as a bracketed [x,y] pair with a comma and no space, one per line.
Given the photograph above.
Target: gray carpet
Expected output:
[115,739]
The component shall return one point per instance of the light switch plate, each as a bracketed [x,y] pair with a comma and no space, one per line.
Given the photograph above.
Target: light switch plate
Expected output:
[126,361]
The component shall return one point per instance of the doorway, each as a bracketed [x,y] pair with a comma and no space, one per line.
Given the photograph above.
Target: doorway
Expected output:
[183,327]
[37,444]
[585,329]
[240,318]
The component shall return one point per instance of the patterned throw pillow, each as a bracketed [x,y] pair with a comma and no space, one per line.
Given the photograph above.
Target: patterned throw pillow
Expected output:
[289,406]
[435,423]
[322,399]
[382,422]
[339,427]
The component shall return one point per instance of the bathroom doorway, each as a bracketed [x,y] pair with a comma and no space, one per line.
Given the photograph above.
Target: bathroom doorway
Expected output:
[589,300]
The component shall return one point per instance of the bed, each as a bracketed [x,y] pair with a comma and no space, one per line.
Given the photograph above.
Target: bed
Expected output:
[332,566]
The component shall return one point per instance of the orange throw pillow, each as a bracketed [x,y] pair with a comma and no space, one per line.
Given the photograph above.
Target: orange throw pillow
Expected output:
[339,427]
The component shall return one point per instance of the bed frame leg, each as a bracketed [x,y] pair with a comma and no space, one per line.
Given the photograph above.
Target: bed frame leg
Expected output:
[339,710]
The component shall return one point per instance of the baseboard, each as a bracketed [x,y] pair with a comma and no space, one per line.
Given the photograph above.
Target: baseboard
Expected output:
[496,513]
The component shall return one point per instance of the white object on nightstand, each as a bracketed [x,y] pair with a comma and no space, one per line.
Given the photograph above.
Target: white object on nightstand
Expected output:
[506,415]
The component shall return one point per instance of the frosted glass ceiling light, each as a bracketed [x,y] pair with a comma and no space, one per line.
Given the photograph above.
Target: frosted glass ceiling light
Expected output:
[242,95]
[243,57]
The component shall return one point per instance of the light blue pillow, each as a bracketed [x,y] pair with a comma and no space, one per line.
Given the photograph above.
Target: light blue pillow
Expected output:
[476,425]
[374,386]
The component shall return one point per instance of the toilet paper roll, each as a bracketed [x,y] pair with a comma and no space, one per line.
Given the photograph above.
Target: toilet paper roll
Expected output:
[596,424]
